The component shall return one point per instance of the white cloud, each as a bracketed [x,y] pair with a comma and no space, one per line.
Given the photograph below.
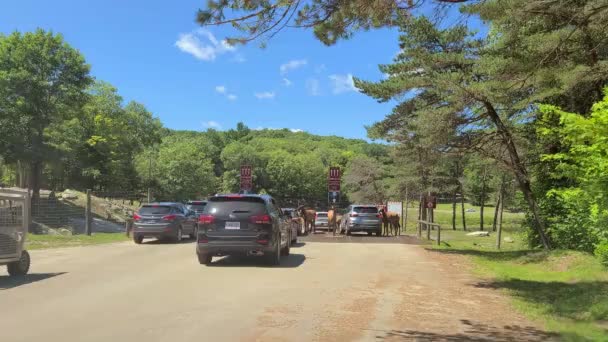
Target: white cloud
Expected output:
[287,82]
[211,124]
[320,68]
[220,89]
[313,86]
[293,130]
[239,58]
[265,95]
[292,65]
[203,45]
[231,97]
[342,83]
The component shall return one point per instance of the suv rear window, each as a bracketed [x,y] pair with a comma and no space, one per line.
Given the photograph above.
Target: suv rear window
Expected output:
[321,214]
[365,210]
[227,205]
[154,210]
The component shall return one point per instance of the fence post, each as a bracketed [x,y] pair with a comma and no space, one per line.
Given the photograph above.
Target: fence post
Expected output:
[128,226]
[87,216]
[438,235]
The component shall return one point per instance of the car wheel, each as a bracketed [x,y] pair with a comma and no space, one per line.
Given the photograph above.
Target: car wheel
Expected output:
[205,259]
[194,233]
[178,234]
[21,266]
[274,257]
[379,233]
[369,233]
[138,239]
[348,232]
[285,251]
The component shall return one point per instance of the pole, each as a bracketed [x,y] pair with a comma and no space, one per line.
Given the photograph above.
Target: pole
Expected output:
[149,177]
[438,235]
[88,217]
[500,208]
[429,217]
[407,204]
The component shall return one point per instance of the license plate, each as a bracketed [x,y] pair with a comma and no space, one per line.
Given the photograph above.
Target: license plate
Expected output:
[233,225]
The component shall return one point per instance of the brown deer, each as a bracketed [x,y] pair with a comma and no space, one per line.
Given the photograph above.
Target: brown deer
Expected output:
[308,215]
[391,222]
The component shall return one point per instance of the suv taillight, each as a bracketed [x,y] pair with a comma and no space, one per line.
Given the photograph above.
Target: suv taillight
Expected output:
[260,219]
[206,219]
[169,218]
[354,215]
[136,217]
[379,215]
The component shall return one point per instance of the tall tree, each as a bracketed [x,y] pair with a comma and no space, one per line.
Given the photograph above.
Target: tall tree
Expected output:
[331,20]
[452,95]
[42,80]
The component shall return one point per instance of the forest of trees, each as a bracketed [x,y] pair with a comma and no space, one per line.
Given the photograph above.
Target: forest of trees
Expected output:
[521,111]
[524,103]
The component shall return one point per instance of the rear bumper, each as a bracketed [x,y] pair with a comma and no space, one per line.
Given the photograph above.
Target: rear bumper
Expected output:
[157,231]
[232,248]
[357,227]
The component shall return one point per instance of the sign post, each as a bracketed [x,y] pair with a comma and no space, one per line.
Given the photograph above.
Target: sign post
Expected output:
[246,178]
[333,185]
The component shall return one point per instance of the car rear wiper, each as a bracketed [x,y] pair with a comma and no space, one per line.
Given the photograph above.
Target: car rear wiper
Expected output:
[240,211]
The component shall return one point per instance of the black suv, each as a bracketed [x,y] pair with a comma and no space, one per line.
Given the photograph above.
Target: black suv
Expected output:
[250,225]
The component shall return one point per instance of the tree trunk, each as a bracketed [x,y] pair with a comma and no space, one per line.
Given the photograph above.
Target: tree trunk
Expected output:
[464,218]
[482,197]
[407,203]
[496,208]
[499,211]
[520,173]
[454,211]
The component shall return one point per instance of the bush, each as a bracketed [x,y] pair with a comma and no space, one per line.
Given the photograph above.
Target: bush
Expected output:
[601,251]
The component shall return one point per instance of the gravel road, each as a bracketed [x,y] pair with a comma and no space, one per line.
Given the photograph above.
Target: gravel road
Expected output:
[324,291]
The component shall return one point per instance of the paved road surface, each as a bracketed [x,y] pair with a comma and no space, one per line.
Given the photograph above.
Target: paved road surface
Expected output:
[322,292]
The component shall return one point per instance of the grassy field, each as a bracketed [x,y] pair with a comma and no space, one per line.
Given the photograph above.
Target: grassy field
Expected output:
[55,241]
[566,290]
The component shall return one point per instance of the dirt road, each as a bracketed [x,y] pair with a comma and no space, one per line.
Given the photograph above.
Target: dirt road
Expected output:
[322,292]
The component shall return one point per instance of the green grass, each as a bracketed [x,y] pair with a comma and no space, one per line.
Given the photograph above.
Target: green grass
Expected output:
[566,290]
[56,241]
[443,216]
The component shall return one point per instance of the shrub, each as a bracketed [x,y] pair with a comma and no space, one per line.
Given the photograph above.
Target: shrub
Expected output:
[601,251]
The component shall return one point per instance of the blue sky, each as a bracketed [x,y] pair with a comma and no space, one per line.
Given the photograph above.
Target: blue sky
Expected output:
[155,53]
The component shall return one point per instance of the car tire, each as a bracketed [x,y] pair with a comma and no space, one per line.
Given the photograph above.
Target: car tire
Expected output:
[379,233]
[21,266]
[178,235]
[138,239]
[274,257]
[194,233]
[348,232]
[370,233]
[295,239]
[205,259]
[285,251]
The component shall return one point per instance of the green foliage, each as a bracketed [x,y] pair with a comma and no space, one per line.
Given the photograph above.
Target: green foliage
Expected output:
[578,210]
[42,81]
[331,19]
[601,251]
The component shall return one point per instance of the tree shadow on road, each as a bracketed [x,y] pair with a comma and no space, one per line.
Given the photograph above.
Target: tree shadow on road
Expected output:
[474,332]
[298,244]
[292,261]
[7,282]
[531,255]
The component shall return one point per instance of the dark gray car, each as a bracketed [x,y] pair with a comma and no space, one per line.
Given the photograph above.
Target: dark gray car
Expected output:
[197,206]
[362,218]
[250,225]
[164,220]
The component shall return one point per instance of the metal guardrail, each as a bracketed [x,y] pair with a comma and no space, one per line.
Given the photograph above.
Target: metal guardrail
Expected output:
[428,226]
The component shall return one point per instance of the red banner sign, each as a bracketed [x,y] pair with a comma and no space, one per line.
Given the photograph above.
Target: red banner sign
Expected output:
[334,179]
[246,177]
